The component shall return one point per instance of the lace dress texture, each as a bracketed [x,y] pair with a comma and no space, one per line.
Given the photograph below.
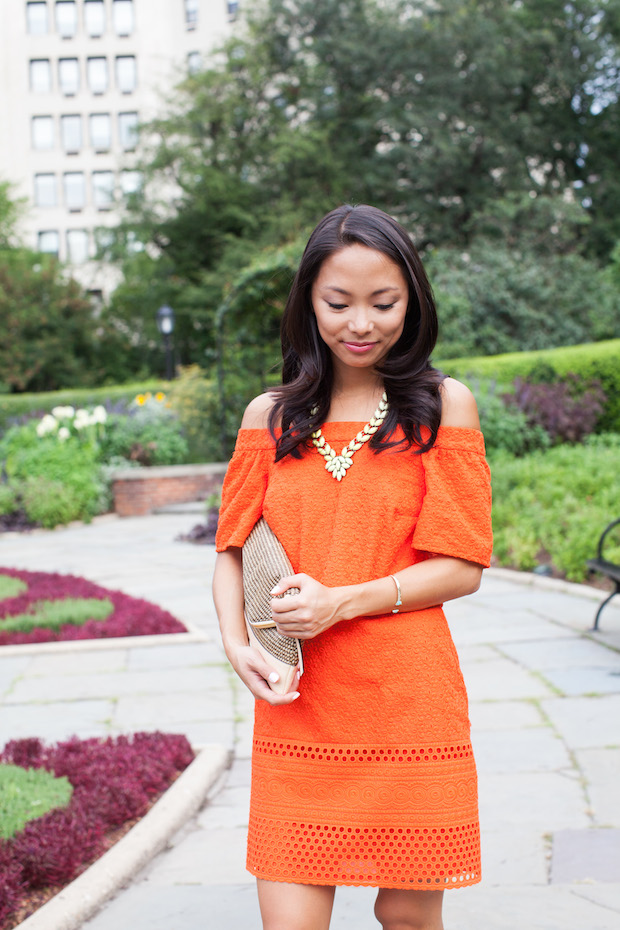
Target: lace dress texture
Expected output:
[368,778]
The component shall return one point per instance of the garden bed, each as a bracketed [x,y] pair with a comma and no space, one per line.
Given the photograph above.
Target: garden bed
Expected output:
[39,607]
[111,784]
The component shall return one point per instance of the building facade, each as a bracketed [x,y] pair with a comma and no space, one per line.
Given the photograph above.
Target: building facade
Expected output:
[77,77]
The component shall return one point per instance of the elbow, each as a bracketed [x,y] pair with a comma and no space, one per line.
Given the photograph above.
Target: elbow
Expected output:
[472,577]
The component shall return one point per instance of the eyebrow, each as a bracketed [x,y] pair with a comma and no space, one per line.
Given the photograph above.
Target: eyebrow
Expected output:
[341,290]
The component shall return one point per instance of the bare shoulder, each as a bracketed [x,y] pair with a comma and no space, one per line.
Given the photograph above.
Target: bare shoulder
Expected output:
[458,406]
[257,412]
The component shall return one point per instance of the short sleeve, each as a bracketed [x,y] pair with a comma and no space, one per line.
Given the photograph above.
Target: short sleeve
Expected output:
[244,488]
[455,518]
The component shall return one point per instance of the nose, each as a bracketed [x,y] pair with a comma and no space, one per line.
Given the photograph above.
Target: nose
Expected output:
[360,321]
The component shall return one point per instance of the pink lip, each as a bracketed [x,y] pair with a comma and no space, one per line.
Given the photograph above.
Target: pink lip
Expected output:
[360,347]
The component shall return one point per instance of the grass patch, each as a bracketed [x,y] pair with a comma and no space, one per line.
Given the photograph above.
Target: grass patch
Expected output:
[56,614]
[11,587]
[26,794]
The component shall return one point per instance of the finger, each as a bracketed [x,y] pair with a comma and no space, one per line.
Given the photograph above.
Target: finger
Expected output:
[290,581]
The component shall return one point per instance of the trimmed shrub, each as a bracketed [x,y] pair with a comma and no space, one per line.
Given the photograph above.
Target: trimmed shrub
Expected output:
[551,507]
[598,361]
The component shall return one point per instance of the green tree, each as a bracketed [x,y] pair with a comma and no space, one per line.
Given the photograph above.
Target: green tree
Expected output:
[46,325]
[437,113]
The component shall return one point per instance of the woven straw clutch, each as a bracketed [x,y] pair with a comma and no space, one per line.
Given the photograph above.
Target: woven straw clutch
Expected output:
[265,562]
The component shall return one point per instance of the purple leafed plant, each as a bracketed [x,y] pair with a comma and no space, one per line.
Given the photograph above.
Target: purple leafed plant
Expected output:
[568,410]
[114,782]
[131,616]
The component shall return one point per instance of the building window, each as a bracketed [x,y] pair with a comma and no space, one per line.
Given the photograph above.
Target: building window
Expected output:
[103,189]
[97,71]
[191,13]
[122,14]
[69,76]
[40,76]
[71,131]
[128,130]
[48,241]
[94,18]
[100,126]
[36,19]
[42,132]
[233,9]
[194,62]
[126,73]
[45,190]
[130,182]
[74,190]
[77,246]
[66,18]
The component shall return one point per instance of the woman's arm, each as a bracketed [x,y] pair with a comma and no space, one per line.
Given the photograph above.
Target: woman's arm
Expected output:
[228,599]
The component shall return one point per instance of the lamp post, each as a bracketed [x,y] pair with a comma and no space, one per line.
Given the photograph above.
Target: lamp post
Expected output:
[165,324]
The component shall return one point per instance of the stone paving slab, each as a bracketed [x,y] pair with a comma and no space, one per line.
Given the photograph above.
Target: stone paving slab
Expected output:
[84,687]
[504,715]
[585,680]
[501,678]
[54,721]
[547,801]
[555,907]
[601,770]
[586,722]
[562,653]
[514,751]
[585,856]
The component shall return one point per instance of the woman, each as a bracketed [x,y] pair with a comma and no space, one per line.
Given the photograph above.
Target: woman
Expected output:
[362,775]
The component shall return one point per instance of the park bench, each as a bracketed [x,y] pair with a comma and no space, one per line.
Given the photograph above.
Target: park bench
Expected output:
[610,569]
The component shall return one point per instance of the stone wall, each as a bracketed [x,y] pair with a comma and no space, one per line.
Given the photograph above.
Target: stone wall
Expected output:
[138,491]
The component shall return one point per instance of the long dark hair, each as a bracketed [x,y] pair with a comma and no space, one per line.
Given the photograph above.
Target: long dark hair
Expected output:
[411,383]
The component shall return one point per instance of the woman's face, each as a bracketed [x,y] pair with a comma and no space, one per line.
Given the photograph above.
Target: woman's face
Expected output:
[360,299]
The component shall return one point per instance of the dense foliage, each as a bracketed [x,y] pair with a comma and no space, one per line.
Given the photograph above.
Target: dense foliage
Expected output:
[60,467]
[487,128]
[596,362]
[549,508]
[114,781]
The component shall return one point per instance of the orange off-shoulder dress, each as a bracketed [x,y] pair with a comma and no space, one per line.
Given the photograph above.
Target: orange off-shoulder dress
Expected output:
[368,778]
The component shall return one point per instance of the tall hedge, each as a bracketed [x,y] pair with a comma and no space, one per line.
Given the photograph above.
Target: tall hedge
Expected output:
[591,361]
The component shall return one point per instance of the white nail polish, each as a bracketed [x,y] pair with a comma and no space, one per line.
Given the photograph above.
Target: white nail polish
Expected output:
[273,677]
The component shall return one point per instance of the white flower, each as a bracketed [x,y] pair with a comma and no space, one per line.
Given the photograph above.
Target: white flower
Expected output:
[99,415]
[63,413]
[82,419]
[47,425]
[63,433]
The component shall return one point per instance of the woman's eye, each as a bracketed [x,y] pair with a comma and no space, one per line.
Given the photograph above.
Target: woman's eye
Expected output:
[337,306]
[384,306]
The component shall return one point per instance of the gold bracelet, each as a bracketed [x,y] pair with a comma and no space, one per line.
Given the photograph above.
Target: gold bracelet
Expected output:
[399,598]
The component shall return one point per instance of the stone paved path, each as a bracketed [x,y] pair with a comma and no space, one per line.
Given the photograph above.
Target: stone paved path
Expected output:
[545,709]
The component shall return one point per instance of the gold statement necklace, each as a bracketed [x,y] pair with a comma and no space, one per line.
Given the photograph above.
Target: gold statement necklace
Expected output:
[338,465]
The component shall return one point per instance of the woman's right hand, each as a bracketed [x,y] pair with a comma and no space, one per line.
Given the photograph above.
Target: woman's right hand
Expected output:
[254,672]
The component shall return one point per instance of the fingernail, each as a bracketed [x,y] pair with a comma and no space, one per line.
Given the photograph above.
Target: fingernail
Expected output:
[273,593]
[296,695]
[298,675]
[273,677]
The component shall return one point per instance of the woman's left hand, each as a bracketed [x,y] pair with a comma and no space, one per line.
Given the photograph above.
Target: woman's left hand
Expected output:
[307,614]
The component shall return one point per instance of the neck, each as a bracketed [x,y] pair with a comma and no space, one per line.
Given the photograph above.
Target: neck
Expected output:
[355,395]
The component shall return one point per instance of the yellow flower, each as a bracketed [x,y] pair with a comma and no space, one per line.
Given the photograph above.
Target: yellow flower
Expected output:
[141,399]
[160,396]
